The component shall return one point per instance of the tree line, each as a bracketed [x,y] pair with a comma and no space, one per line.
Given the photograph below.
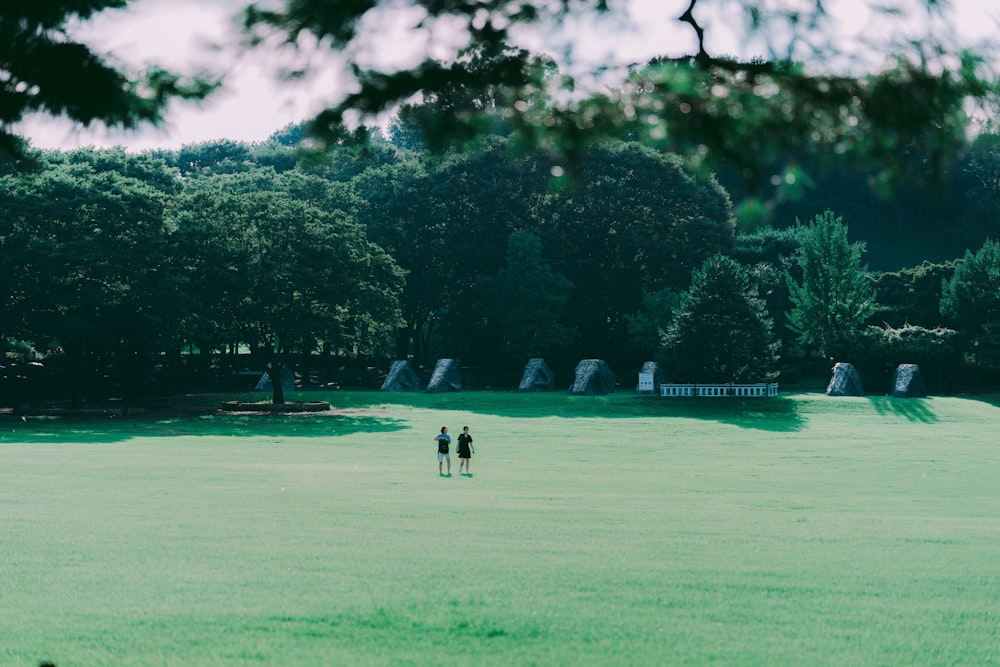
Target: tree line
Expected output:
[180,266]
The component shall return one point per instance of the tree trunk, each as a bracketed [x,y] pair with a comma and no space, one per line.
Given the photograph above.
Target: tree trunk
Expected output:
[402,342]
[274,369]
[130,374]
[425,343]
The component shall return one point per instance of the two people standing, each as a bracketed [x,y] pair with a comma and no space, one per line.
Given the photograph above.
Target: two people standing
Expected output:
[465,450]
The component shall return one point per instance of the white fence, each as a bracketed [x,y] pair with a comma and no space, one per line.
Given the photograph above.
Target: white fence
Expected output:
[719,390]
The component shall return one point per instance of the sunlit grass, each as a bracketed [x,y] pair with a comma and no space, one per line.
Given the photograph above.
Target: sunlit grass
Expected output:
[594,530]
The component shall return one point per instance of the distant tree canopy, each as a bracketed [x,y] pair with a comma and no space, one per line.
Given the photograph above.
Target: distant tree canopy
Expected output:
[118,262]
[912,296]
[220,246]
[801,98]
[530,300]
[87,257]
[631,219]
[797,99]
[372,250]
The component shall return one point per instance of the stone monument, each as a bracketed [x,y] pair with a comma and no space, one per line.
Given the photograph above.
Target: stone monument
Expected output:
[908,382]
[446,377]
[537,376]
[592,378]
[845,381]
[401,377]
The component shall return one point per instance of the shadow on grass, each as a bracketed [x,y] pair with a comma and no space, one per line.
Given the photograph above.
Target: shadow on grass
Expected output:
[120,429]
[992,400]
[778,414]
[770,414]
[913,409]
[370,412]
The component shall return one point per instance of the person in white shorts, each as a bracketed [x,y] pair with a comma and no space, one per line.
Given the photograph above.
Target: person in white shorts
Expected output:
[444,454]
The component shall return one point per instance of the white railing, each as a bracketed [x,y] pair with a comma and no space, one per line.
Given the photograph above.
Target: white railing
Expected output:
[761,389]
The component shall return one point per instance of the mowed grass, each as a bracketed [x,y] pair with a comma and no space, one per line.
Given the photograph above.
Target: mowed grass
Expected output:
[618,530]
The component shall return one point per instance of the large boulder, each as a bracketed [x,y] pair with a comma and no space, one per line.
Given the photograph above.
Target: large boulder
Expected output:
[537,376]
[446,377]
[265,383]
[908,382]
[845,381]
[401,377]
[592,378]
[652,368]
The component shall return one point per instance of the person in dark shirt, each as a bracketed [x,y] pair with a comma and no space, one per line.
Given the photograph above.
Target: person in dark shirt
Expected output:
[465,450]
[444,442]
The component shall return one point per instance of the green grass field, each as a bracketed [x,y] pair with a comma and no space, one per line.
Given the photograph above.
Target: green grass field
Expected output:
[618,530]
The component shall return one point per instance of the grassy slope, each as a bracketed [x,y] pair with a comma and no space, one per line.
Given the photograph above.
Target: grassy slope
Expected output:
[595,530]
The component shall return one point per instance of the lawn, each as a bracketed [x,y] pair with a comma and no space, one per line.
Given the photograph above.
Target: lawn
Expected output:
[617,530]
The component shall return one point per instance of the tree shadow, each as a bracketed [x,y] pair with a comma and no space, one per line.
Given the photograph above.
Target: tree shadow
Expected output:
[104,430]
[777,413]
[368,412]
[913,409]
[992,400]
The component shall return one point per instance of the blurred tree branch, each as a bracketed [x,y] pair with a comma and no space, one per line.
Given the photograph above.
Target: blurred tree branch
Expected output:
[42,69]
[804,96]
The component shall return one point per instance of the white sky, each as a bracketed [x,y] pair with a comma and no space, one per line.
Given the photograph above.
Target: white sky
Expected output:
[253,103]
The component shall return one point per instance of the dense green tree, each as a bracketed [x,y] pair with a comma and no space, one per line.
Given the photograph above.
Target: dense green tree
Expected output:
[394,211]
[971,298]
[351,155]
[977,180]
[721,330]
[769,254]
[911,296]
[446,222]
[478,198]
[530,299]
[290,136]
[971,301]
[88,260]
[223,156]
[629,220]
[646,326]
[275,155]
[901,223]
[283,273]
[835,292]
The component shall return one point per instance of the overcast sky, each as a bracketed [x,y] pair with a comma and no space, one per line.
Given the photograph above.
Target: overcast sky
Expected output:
[253,103]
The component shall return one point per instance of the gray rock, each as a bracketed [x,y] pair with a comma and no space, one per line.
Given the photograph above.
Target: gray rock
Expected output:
[446,377]
[537,376]
[401,377]
[845,381]
[592,378]
[287,380]
[908,382]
